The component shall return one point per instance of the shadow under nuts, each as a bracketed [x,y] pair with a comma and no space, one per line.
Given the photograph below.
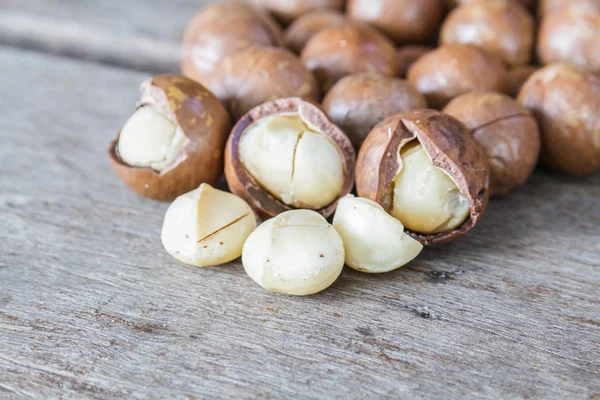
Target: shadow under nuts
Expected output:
[174,141]
[425,169]
[287,154]
[360,101]
[305,27]
[565,101]
[288,10]
[506,131]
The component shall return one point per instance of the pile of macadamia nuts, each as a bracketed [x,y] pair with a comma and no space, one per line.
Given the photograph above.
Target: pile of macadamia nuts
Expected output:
[362,131]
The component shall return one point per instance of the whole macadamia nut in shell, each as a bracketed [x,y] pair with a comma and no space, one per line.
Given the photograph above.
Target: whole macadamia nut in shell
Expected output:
[565,100]
[501,27]
[506,131]
[253,76]
[335,52]
[404,21]
[301,30]
[174,141]
[358,102]
[425,169]
[223,29]
[454,69]
[287,11]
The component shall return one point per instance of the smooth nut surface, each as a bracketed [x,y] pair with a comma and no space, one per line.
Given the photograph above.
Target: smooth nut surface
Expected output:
[358,102]
[283,164]
[404,21]
[374,241]
[288,10]
[207,227]
[507,132]
[297,252]
[337,51]
[454,69]
[449,147]
[547,6]
[294,162]
[529,4]
[565,100]
[174,141]
[302,29]
[502,27]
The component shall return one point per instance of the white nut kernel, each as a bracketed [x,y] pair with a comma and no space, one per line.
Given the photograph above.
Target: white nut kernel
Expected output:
[150,139]
[296,252]
[425,199]
[207,227]
[374,241]
[293,161]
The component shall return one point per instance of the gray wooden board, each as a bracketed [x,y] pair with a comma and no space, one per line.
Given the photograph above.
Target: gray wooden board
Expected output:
[142,34]
[92,307]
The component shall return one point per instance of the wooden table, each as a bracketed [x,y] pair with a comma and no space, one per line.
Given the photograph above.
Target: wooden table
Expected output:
[91,306]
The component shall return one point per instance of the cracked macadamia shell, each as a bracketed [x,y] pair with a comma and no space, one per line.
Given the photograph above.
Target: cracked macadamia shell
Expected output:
[297,252]
[517,77]
[407,55]
[207,227]
[565,100]
[201,125]
[288,10]
[404,21]
[374,241]
[358,102]
[449,147]
[253,76]
[337,51]
[302,29]
[501,27]
[454,69]
[223,29]
[287,165]
[572,35]
[506,131]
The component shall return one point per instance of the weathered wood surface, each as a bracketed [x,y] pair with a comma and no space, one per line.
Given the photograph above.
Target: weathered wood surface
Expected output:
[140,34]
[92,307]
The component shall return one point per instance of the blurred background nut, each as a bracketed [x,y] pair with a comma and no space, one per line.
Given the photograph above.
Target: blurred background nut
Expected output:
[335,52]
[553,5]
[297,252]
[374,241]
[425,169]
[358,102]
[565,100]
[502,27]
[454,69]
[287,154]
[220,30]
[255,75]
[506,131]
[174,141]
[404,21]
[571,34]
[302,29]
[517,77]
[529,4]
[207,227]
[407,55]
[288,10]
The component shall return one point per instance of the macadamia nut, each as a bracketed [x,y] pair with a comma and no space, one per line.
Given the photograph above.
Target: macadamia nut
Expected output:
[207,227]
[293,161]
[374,241]
[296,252]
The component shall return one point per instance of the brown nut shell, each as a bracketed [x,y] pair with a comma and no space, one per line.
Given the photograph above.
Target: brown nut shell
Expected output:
[358,102]
[502,27]
[517,77]
[529,4]
[288,10]
[255,75]
[223,29]
[547,6]
[572,35]
[507,132]
[407,55]
[335,52]
[450,147]
[404,21]
[305,27]
[565,101]
[454,69]
[244,185]
[202,119]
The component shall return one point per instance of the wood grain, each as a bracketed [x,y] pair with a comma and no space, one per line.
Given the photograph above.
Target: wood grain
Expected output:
[91,306]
